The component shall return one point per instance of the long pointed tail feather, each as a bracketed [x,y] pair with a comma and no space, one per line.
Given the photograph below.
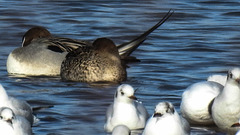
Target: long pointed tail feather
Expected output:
[126,49]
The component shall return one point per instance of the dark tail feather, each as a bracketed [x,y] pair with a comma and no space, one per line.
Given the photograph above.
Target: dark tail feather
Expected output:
[126,49]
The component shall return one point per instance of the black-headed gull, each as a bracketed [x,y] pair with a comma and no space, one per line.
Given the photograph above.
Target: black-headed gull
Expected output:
[19,107]
[11,124]
[125,110]
[226,106]
[166,121]
[196,100]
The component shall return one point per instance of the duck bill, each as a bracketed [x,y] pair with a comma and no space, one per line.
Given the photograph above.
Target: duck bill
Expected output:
[133,97]
[236,125]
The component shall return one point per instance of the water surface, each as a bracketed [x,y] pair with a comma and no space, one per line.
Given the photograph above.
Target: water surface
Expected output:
[200,39]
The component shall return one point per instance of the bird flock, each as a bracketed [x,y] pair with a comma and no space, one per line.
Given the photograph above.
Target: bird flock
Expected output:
[212,102]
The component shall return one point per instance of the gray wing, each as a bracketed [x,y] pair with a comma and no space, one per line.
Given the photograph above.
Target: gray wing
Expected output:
[22,126]
[186,125]
[22,108]
[142,110]
[109,113]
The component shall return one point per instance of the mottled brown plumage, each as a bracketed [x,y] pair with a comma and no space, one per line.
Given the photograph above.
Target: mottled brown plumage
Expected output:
[98,63]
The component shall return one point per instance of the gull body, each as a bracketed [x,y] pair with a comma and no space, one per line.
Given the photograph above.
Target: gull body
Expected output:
[12,124]
[125,110]
[19,107]
[166,121]
[196,100]
[226,106]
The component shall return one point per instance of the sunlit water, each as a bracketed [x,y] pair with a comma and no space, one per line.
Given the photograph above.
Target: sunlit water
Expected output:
[200,39]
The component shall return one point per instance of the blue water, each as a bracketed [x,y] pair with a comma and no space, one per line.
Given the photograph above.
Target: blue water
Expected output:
[200,39]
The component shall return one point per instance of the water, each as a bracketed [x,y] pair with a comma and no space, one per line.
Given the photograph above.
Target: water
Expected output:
[200,39]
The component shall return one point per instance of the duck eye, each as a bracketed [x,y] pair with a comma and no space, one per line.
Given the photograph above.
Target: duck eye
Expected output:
[1,117]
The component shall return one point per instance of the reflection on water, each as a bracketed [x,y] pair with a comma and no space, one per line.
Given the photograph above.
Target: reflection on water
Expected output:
[201,38]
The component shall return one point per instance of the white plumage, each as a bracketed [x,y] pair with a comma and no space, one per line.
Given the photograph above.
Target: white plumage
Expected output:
[19,107]
[11,124]
[166,121]
[226,106]
[125,110]
[196,101]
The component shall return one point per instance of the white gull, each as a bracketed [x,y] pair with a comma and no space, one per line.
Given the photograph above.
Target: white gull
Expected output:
[196,100]
[226,106]
[11,124]
[166,121]
[125,110]
[19,107]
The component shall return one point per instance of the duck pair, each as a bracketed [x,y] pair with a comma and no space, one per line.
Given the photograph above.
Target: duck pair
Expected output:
[74,60]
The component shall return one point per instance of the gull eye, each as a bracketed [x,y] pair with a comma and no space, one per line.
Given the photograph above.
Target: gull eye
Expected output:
[230,75]
[121,91]
[12,118]
[1,117]
[170,110]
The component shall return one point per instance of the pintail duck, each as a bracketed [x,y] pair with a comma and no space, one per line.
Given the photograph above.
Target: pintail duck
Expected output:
[43,54]
[98,63]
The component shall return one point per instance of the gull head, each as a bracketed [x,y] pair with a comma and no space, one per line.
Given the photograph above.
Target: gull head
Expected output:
[125,93]
[7,115]
[234,75]
[121,130]
[163,108]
